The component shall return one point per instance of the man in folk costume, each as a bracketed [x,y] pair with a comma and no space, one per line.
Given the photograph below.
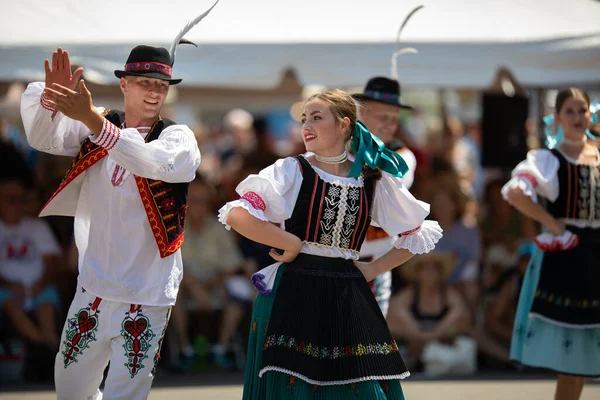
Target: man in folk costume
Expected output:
[127,190]
[379,109]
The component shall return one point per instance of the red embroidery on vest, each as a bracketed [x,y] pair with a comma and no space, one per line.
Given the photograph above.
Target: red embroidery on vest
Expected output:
[164,226]
[168,228]
[89,155]
[256,201]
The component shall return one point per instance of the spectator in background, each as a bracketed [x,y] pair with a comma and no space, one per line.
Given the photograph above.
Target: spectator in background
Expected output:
[428,310]
[28,256]
[503,230]
[500,300]
[211,262]
[462,238]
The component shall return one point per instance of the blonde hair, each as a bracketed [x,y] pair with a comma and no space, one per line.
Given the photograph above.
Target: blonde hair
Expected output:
[342,106]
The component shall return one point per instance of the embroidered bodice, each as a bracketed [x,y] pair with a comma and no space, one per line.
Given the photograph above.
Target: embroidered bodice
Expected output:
[331,214]
[579,197]
[334,214]
[572,189]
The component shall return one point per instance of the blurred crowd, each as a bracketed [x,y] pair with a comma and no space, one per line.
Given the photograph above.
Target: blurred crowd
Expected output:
[451,310]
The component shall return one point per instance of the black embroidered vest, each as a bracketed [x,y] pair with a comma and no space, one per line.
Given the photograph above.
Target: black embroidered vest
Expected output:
[331,214]
[165,203]
[579,194]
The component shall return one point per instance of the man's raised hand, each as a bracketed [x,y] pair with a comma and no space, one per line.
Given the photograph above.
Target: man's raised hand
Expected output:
[60,72]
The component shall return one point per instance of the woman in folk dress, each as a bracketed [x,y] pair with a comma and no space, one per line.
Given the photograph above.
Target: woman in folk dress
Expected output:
[557,325]
[317,331]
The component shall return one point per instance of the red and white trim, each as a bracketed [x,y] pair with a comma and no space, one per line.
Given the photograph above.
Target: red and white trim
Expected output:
[149,67]
[406,233]
[254,199]
[529,177]
[109,136]
[44,102]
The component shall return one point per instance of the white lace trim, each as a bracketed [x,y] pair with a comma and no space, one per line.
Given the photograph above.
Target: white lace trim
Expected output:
[331,383]
[521,183]
[224,211]
[345,181]
[421,241]
[574,161]
[563,324]
[319,249]
[582,223]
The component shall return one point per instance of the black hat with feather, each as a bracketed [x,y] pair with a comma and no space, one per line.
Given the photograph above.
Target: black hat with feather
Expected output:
[157,62]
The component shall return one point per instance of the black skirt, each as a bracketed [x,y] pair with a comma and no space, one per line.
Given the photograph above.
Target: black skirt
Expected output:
[327,328]
[568,291]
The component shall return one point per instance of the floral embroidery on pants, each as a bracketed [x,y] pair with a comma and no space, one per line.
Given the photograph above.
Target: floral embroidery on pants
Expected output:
[81,332]
[137,334]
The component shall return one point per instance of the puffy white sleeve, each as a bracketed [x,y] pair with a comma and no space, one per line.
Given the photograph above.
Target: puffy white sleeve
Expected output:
[537,174]
[400,214]
[61,136]
[269,195]
[174,157]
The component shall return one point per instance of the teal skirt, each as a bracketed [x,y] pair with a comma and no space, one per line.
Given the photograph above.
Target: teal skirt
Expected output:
[276,385]
[539,343]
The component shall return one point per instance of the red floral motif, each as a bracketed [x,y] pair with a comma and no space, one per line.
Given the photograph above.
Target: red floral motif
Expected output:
[256,201]
[529,177]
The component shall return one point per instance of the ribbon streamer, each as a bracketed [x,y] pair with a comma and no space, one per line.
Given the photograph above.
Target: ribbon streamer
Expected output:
[370,150]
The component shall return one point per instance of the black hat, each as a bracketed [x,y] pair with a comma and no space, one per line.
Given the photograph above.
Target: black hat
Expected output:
[153,62]
[383,90]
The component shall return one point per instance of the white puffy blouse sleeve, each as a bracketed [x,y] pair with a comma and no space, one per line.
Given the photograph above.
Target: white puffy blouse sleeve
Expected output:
[61,136]
[269,195]
[537,174]
[400,214]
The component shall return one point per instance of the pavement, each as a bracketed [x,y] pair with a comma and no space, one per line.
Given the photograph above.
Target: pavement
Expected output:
[229,387]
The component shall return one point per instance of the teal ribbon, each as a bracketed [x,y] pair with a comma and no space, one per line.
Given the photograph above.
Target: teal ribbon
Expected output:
[555,134]
[369,149]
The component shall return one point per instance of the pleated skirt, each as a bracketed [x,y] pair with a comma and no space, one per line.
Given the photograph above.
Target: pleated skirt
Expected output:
[321,335]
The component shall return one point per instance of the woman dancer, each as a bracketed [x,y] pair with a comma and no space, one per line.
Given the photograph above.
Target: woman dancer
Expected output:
[316,328]
[559,305]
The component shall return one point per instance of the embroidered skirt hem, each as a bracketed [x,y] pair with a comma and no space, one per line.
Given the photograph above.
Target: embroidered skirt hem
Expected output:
[574,349]
[288,384]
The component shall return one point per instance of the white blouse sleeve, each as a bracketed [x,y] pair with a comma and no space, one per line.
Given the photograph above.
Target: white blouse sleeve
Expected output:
[174,157]
[61,136]
[537,174]
[271,194]
[400,214]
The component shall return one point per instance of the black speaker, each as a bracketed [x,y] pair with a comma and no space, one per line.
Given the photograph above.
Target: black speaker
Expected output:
[503,131]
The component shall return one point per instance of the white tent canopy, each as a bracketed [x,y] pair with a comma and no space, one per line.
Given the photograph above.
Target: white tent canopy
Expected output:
[461,43]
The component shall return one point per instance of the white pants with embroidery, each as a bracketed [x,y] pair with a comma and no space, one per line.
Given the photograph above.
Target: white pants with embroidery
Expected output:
[97,332]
